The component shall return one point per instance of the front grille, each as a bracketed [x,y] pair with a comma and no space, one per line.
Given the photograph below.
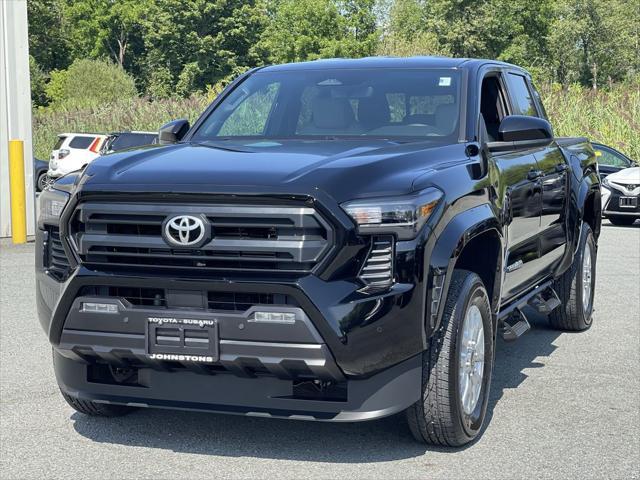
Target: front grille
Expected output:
[273,238]
[56,260]
[140,297]
[377,271]
[215,300]
[240,302]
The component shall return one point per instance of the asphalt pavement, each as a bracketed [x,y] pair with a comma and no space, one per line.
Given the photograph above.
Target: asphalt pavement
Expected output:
[563,405]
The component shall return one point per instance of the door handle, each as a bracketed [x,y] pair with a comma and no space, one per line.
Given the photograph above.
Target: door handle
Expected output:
[535,174]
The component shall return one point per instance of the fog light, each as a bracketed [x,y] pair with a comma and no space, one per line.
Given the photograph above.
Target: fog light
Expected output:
[274,317]
[99,307]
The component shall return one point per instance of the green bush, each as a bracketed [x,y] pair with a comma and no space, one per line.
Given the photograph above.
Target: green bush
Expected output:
[89,83]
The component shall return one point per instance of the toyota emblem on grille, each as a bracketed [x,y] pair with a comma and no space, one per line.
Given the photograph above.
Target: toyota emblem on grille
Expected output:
[185,230]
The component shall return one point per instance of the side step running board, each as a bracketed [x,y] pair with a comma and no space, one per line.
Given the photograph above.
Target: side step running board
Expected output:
[546,301]
[515,326]
[543,299]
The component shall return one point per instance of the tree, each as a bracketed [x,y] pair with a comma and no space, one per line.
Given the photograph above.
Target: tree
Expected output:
[48,43]
[202,41]
[313,29]
[595,42]
[89,83]
[406,32]
[38,83]
[106,28]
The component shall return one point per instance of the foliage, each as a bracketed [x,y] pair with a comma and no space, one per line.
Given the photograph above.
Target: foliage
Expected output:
[611,117]
[48,42]
[88,83]
[132,114]
[585,54]
[585,41]
[201,41]
[314,29]
[106,29]
[38,82]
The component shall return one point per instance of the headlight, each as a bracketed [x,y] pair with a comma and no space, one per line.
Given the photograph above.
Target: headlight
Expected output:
[404,216]
[50,205]
[605,182]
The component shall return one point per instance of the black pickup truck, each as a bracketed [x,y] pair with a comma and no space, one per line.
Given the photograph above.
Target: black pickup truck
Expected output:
[334,240]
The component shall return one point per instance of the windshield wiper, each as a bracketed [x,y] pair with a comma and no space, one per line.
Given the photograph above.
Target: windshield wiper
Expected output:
[220,146]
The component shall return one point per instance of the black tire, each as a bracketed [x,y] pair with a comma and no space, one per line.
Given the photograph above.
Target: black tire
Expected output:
[622,220]
[439,418]
[95,409]
[571,315]
[42,182]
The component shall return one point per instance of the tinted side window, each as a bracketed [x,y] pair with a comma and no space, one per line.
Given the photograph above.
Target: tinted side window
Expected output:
[523,103]
[81,142]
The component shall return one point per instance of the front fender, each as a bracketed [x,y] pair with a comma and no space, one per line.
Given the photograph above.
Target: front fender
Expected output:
[450,243]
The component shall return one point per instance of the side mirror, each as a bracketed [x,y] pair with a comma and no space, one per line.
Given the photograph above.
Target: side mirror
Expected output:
[173,132]
[521,131]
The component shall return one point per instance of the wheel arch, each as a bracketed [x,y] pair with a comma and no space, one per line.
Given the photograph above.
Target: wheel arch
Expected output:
[457,247]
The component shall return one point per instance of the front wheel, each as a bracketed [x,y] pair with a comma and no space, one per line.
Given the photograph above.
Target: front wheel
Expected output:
[457,367]
[95,409]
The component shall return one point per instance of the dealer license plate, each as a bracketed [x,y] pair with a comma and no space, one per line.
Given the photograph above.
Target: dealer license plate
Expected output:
[182,339]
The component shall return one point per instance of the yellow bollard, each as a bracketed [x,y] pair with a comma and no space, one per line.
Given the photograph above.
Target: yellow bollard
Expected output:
[17,185]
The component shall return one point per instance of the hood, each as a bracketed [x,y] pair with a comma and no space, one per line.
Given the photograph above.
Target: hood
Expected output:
[344,169]
[626,176]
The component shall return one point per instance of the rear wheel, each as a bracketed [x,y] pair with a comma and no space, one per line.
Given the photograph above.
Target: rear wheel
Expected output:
[575,287]
[457,368]
[94,409]
[43,181]
[622,219]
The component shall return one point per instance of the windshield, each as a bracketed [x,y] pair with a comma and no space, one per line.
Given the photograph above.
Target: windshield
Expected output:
[406,104]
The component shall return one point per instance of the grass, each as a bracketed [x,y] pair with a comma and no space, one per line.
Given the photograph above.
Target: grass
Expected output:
[607,116]
[134,114]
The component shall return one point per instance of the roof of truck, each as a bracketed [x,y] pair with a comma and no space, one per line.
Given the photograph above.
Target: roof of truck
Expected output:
[383,62]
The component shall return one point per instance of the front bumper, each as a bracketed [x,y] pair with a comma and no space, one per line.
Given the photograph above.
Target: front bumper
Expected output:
[612,205]
[380,395]
[367,346]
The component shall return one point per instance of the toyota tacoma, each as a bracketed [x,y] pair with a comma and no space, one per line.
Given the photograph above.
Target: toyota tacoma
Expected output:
[335,240]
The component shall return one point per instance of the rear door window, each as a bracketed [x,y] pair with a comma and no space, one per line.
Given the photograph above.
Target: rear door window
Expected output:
[59,143]
[523,103]
[81,142]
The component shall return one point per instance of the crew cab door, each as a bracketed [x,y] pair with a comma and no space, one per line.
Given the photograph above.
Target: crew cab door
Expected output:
[552,179]
[519,192]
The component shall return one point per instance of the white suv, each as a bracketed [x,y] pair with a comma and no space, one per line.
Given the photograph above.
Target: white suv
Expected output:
[73,151]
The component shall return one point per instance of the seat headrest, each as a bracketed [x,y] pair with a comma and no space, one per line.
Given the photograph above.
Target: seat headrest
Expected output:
[374,112]
[447,117]
[331,113]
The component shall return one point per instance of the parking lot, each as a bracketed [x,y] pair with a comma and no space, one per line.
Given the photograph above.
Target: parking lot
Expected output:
[563,405]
